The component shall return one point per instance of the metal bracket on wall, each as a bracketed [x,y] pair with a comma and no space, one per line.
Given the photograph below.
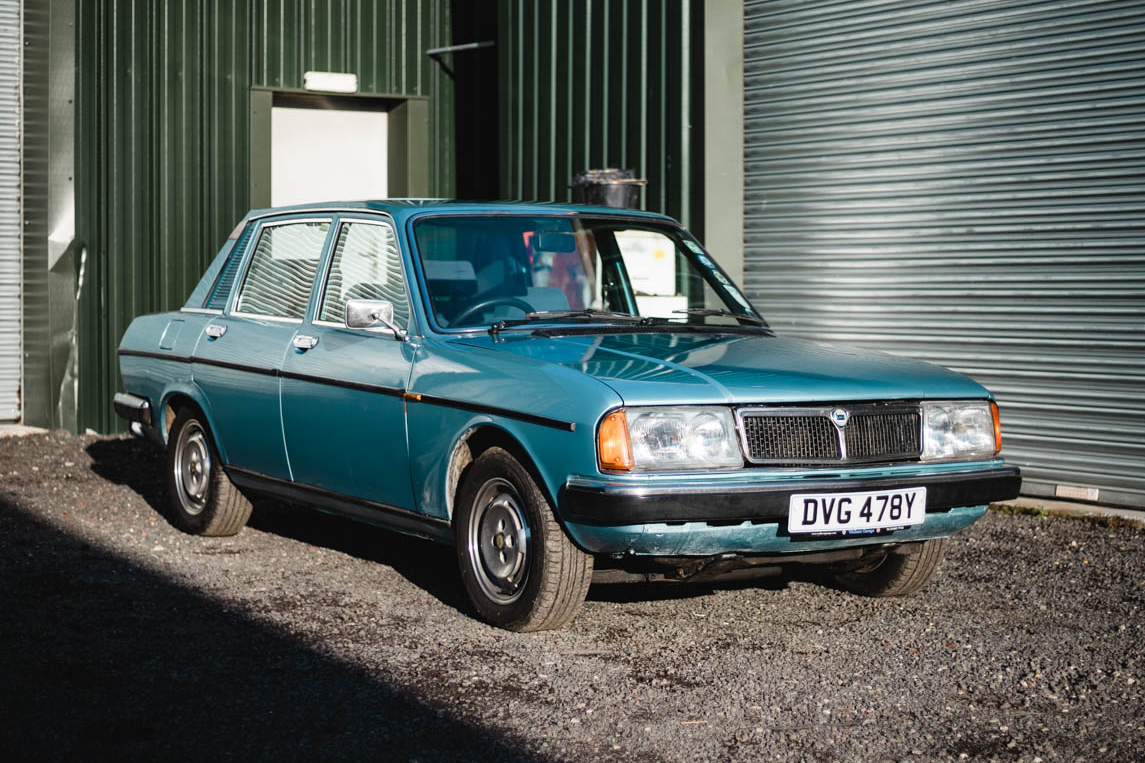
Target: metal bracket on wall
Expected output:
[437,53]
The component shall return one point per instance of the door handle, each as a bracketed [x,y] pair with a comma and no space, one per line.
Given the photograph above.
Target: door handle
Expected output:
[215,330]
[304,343]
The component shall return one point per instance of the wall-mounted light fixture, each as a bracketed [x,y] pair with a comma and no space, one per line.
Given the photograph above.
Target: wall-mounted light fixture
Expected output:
[330,82]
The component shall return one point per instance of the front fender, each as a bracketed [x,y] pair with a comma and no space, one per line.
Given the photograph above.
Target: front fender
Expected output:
[550,411]
[437,432]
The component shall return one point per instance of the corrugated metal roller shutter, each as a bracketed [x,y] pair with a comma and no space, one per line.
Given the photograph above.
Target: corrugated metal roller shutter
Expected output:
[10,347]
[964,183]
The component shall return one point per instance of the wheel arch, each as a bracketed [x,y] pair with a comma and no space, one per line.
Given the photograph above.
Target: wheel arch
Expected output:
[475,441]
[183,396]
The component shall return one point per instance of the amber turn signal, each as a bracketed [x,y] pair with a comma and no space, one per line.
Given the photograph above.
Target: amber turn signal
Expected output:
[612,441]
[997,427]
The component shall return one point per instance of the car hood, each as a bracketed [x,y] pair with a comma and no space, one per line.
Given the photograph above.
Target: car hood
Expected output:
[657,368]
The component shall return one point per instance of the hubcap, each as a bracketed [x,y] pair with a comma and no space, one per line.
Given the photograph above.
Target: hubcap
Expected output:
[499,541]
[192,467]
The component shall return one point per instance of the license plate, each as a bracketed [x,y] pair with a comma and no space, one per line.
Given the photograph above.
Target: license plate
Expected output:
[848,512]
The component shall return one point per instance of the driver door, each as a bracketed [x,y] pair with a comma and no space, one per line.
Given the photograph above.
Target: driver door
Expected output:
[343,414]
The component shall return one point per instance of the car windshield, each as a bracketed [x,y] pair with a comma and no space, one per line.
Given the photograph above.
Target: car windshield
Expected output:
[481,270]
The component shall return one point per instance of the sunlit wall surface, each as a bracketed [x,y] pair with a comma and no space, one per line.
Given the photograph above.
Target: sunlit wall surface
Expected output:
[964,183]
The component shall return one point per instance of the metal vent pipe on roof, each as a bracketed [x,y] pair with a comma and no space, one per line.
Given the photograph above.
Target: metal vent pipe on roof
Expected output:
[608,188]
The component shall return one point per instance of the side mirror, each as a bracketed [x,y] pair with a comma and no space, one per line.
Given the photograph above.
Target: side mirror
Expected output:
[368,313]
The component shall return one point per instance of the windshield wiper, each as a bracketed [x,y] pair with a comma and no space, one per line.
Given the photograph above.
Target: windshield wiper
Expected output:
[565,315]
[723,313]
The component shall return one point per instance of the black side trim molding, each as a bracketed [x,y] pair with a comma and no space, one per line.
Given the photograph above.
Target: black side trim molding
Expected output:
[567,426]
[157,355]
[604,504]
[416,397]
[377,389]
[390,517]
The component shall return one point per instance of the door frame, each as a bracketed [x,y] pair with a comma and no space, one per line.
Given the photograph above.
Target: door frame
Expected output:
[407,134]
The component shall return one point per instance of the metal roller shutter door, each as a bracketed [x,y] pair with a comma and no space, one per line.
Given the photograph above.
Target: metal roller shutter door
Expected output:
[10,346]
[964,183]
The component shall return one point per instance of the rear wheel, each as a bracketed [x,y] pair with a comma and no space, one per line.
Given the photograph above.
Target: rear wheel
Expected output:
[519,568]
[896,574]
[203,499]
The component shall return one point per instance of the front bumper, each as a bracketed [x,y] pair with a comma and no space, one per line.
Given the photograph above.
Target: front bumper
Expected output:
[619,503]
[716,516]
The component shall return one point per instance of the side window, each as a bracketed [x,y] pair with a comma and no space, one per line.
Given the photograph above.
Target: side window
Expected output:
[650,259]
[282,269]
[366,265]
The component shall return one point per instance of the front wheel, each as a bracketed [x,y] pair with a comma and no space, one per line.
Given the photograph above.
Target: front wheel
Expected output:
[519,568]
[203,499]
[896,574]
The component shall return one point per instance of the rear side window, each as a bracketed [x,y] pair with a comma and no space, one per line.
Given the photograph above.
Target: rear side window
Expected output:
[281,271]
[366,265]
[221,292]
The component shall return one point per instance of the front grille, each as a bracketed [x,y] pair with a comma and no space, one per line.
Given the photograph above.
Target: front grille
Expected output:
[808,436]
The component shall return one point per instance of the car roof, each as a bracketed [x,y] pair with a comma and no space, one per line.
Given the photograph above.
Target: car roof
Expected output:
[401,209]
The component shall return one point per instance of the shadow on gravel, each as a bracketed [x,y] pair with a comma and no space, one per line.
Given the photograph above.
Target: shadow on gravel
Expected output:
[137,463]
[102,658]
[140,465]
[428,565]
[631,593]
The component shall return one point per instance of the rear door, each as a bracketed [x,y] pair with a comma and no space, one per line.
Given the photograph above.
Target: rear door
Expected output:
[343,414]
[237,359]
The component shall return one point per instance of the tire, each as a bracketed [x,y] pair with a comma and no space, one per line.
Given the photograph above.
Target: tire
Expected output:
[896,574]
[520,570]
[203,500]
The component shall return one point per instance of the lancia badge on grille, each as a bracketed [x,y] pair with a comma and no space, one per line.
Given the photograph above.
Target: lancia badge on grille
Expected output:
[840,417]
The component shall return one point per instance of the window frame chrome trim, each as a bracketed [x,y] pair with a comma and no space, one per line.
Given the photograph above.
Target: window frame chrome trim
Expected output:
[261,317]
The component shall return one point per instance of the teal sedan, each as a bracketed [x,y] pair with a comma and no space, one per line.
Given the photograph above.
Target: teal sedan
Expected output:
[565,394]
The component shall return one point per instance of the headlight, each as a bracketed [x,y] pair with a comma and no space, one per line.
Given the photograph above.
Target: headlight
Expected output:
[957,430]
[669,438]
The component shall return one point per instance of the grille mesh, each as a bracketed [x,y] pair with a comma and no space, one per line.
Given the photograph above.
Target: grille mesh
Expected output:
[791,438]
[882,435]
[871,435]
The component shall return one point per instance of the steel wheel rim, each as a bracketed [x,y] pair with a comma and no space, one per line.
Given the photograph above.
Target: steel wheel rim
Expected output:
[499,541]
[192,468]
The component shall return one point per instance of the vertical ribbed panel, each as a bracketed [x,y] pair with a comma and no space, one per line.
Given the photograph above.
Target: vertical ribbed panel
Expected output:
[597,83]
[10,77]
[36,395]
[964,183]
[163,135]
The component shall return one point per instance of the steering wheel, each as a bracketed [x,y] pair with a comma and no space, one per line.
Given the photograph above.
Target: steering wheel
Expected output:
[485,304]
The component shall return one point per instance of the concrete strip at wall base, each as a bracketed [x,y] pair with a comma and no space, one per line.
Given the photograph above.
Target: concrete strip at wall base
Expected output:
[1026,504]
[19,430]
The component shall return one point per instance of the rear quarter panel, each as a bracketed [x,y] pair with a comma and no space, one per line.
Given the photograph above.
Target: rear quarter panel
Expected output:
[171,338]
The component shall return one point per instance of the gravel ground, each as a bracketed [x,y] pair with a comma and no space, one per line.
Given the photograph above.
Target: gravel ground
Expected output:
[309,635]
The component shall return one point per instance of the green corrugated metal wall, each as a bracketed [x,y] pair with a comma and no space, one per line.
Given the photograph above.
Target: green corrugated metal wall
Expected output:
[600,83]
[162,135]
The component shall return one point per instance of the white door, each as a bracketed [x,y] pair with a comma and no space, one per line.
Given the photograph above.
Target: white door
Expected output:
[326,155]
